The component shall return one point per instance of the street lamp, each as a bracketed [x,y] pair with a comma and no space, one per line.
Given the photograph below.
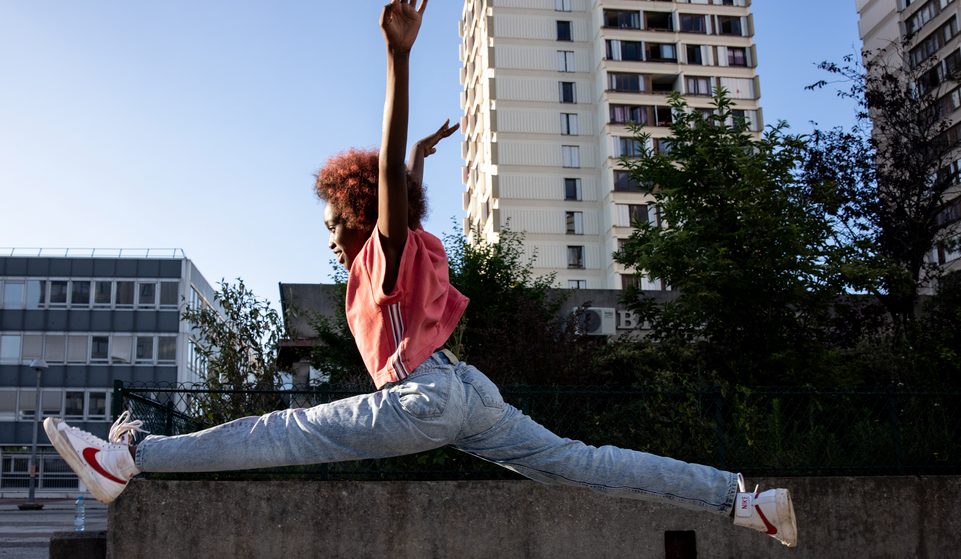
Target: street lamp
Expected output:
[40,366]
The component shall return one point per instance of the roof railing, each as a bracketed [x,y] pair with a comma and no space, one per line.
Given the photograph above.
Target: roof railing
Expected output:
[93,252]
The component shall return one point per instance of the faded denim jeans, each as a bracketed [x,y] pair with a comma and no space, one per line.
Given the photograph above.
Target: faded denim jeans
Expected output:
[438,404]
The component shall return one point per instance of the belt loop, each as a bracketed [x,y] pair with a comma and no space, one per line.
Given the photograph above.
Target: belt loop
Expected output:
[451,358]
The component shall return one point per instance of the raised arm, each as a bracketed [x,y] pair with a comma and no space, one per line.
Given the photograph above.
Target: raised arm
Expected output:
[400,22]
[426,147]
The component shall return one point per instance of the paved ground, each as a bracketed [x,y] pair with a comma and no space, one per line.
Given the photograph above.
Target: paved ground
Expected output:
[26,534]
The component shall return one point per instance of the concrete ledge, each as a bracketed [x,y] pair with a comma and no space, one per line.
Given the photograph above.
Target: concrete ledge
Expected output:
[78,545]
[843,517]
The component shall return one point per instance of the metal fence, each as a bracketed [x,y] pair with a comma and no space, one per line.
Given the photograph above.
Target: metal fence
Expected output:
[760,432]
[53,473]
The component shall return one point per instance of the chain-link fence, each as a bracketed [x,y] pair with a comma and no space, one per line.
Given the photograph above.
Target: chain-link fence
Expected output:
[760,432]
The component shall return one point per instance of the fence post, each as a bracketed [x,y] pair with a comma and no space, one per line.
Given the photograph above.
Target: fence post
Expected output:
[169,418]
[119,395]
[896,428]
[719,427]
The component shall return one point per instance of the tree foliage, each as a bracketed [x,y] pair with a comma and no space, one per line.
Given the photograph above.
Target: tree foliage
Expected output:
[743,242]
[891,171]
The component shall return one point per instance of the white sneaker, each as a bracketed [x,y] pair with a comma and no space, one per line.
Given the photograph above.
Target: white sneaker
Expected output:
[770,512]
[103,466]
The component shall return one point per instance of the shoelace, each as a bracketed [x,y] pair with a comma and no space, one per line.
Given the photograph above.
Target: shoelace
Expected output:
[124,430]
[742,489]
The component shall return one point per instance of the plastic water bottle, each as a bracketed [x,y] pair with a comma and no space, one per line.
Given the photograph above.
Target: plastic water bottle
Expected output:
[80,517]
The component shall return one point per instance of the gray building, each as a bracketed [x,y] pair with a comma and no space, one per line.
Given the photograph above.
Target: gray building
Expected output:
[94,316]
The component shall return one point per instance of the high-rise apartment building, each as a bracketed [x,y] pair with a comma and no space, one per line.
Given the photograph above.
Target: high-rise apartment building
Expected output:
[93,317]
[929,30]
[550,87]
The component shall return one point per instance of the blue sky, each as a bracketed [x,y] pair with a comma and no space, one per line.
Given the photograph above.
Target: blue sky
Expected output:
[198,125]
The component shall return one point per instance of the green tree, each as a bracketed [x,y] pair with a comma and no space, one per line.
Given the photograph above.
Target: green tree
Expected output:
[237,337]
[892,171]
[742,241]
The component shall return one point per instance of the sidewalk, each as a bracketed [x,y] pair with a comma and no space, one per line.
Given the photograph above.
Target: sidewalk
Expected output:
[26,534]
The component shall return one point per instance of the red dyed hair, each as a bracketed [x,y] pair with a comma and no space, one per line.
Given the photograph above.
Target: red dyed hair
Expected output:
[348,180]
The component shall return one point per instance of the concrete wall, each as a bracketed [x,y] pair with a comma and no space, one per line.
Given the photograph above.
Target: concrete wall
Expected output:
[845,517]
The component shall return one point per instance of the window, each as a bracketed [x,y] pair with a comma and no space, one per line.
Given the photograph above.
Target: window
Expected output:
[575,257]
[98,348]
[572,189]
[663,116]
[661,52]
[623,182]
[629,147]
[629,281]
[698,85]
[144,349]
[562,5]
[729,25]
[146,294]
[169,291]
[58,293]
[565,61]
[76,349]
[736,56]
[662,145]
[659,21]
[622,114]
[32,347]
[568,124]
[80,293]
[630,215]
[102,293]
[577,284]
[9,348]
[571,156]
[121,350]
[625,50]
[619,81]
[55,348]
[624,19]
[167,349]
[97,405]
[568,92]
[124,293]
[73,405]
[35,294]
[8,405]
[13,294]
[564,31]
[693,23]
[695,55]
[575,223]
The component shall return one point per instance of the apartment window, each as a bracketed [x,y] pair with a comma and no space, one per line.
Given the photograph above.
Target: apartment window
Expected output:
[629,147]
[620,81]
[572,189]
[624,50]
[698,85]
[13,294]
[32,347]
[729,25]
[9,348]
[575,257]
[562,5]
[663,145]
[568,92]
[147,295]
[8,405]
[35,294]
[77,349]
[624,182]
[736,56]
[125,293]
[623,19]
[622,114]
[661,52]
[73,404]
[169,290]
[663,116]
[659,21]
[55,348]
[629,215]
[99,348]
[569,124]
[695,55]
[565,61]
[629,281]
[102,293]
[97,405]
[144,349]
[577,284]
[564,31]
[166,349]
[58,293]
[571,156]
[80,293]
[575,223]
[121,350]
[693,23]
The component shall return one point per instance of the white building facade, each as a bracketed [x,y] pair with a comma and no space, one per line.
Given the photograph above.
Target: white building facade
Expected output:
[550,87]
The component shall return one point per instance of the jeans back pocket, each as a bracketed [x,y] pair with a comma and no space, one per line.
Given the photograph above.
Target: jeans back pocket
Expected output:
[425,395]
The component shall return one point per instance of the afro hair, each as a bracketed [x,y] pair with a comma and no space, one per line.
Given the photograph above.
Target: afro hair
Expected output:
[348,180]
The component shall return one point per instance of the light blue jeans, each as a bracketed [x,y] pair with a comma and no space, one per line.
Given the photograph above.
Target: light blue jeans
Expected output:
[438,404]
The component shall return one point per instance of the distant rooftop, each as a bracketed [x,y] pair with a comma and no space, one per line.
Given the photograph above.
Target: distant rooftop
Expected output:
[93,252]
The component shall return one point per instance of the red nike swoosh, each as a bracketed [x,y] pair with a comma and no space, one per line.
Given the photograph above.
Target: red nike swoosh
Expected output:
[770,527]
[90,455]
